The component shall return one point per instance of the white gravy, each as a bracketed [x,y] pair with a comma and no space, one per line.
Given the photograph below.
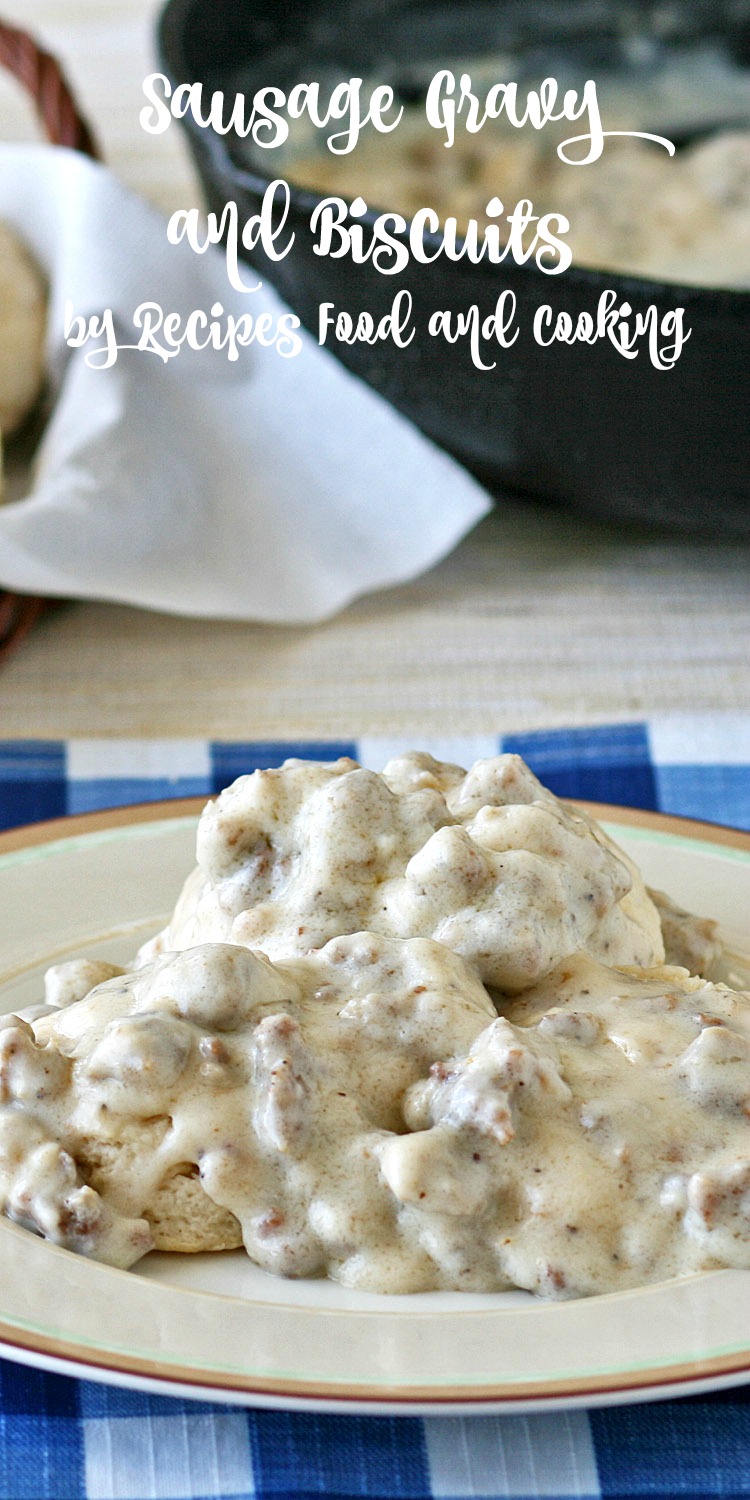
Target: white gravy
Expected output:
[359,1104]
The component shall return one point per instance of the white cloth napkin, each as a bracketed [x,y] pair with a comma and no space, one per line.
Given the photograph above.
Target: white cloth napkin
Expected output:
[271,489]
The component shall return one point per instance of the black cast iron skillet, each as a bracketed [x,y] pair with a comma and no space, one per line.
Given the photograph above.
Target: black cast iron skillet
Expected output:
[576,425]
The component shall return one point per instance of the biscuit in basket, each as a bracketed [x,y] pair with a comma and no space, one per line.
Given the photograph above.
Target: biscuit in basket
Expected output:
[23,320]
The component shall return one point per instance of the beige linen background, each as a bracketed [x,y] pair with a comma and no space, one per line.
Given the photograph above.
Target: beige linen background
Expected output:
[539,618]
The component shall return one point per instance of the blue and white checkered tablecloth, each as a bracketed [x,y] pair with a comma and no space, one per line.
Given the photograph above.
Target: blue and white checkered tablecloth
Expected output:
[66,1438]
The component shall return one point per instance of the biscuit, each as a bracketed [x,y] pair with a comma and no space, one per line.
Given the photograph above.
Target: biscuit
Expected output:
[367,1112]
[487,861]
[23,321]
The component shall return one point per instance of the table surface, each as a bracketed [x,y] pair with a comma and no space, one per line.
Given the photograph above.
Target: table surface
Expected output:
[538,618]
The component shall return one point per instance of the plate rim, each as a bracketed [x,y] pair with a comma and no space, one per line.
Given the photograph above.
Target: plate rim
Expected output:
[170,1377]
[554,1394]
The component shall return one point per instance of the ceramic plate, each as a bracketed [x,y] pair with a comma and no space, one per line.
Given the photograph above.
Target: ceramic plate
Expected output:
[214,1326]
